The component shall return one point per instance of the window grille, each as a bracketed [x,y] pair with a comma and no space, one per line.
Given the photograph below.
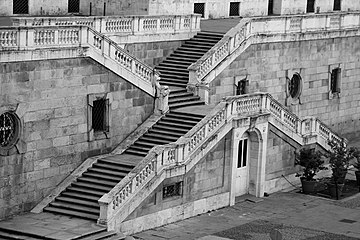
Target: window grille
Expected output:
[73,6]
[337,5]
[199,8]
[234,9]
[99,116]
[8,129]
[172,190]
[334,85]
[310,8]
[241,87]
[20,6]
[294,85]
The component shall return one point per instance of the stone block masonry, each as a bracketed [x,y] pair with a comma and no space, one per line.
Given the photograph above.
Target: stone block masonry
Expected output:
[266,66]
[53,96]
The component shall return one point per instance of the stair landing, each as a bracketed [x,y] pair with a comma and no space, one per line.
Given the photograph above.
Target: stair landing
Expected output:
[50,226]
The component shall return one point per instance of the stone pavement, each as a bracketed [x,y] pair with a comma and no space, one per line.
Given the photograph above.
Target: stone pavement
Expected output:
[51,225]
[291,215]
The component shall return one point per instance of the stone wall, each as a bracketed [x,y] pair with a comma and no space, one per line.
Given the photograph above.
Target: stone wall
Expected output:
[114,7]
[207,179]
[51,98]
[265,67]
[152,53]
[37,7]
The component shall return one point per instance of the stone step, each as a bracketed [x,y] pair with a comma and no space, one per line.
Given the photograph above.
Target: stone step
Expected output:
[186,104]
[183,99]
[155,140]
[104,235]
[78,214]
[108,172]
[106,165]
[13,234]
[199,45]
[186,115]
[161,136]
[86,191]
[101,176]
[188,57]
[134,152]
[93,186]
[166,128]
[178,64]
[173,124]
[118,163]
[179,120]
[190,51]
[172,84]
[76,207]
[81,196]
[97,181]
[180,94]
[181,71]
[94,204]
[176,60]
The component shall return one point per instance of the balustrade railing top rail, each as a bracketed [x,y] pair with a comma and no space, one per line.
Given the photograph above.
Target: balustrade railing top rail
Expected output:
[29,38]
[249,27]
[180,152]
[127,25]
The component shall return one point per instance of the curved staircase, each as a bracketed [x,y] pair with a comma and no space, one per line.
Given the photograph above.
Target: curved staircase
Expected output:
[80,199]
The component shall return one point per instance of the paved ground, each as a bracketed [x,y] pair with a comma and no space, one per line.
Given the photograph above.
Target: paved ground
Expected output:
[219,25]
[291,215]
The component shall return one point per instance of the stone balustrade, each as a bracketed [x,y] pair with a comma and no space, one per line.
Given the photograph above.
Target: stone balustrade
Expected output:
[102,49]
[127,25]
[184,150]
[241,35]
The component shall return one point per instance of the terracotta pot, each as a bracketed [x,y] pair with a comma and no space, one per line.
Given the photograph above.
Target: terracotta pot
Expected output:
[332,189]
[308,186]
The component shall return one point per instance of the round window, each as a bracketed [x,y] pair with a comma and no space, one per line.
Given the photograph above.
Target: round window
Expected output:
[9,129]
[294,86]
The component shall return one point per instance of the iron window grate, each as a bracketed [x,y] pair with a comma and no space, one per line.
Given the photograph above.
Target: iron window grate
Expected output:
[199,8]
[172,190]
[234,9]
[73,6]
[99,121]
[20,6]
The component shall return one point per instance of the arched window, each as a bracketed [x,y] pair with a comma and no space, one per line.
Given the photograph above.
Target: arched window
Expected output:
[295,86]
[9,129]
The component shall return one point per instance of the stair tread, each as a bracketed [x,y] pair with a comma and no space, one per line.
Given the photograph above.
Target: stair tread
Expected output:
[97,181]
[159,131]
[180,130]
[159,141]
[109,172]
[77,207]
[117,162]
[10,236]
[102,235]
[161,136]
[84,190]
[94,186]
[72,213]
[134,152]
[112,166]
[186,104]
[78,201]
[98,175]
[182,99]
[174,119]
[75,194]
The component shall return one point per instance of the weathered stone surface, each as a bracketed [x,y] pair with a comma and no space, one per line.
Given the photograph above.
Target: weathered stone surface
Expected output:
[55,123]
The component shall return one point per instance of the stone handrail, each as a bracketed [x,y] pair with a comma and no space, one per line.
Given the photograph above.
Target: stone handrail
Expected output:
[101,49]
[129,25]
[241,35]
[182,151]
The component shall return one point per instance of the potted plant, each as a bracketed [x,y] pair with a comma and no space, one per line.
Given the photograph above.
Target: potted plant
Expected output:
[339,159]
[311,163]
[357,166]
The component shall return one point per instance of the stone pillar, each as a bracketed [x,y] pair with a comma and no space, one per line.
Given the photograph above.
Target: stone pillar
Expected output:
[162,100]
[201,90]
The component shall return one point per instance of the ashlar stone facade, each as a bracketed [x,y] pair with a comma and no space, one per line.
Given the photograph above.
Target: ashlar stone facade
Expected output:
[51,98]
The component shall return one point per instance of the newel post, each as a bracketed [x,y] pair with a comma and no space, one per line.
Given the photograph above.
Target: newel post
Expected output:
[104,206]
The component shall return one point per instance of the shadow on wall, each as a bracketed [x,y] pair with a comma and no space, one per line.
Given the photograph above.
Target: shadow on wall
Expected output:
[5,21]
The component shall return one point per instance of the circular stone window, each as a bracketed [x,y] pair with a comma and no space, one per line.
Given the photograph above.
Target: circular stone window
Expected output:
[9,129]
[294,85]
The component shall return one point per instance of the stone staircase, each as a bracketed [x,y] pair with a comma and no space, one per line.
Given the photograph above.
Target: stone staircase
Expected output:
[80,199]
[102,234]
[174,72]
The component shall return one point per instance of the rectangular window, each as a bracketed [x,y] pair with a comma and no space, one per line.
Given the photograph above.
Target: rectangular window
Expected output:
[73,6]
[199,8]
[241,87]
[271,7]
[172,190]
[242,153]
[99,116]
[20,6]
[234,9]
[335,76]
[310,8]
[337,5]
